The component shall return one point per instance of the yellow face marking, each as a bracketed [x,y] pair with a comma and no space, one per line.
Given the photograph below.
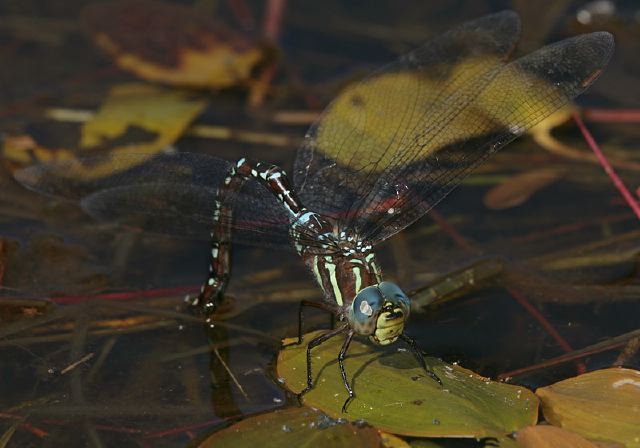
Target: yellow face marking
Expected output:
[388,330]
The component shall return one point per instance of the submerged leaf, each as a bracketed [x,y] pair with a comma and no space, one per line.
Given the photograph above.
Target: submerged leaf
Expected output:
[394,394]
[295,427]
[518,189]
[602,405]
[170,43]
[137,118]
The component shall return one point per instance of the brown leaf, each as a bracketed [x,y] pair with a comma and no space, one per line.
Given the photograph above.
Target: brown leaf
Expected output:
[602,405]
[172,44]
[544,436]
[519,188]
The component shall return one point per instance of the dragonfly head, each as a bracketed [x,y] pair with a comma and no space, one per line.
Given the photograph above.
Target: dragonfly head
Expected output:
[380,311]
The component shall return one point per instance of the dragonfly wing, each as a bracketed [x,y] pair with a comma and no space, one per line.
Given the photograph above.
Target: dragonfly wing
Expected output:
[519,95]
[168,193]
[392,146]
[370,125]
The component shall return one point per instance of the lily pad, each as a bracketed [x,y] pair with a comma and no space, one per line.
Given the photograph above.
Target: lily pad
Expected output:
[545,436]
[601,405]
[299,427]
[395,395]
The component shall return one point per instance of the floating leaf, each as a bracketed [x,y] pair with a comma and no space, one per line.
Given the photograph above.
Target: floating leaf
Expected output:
[518,189]
[295,427]
[392,441]
[135,118]
[544,436]
[394,394]
[602,405]
[172,44]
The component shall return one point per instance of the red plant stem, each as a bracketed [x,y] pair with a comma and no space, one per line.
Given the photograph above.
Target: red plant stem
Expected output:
[456,236]
[522,300]
[560,360]
[129,295]
[38,432]
[607,166]
[612,115]
[273,19]
[468,246]
[182,429]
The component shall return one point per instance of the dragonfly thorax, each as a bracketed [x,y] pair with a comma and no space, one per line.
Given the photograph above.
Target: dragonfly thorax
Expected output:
[380,312]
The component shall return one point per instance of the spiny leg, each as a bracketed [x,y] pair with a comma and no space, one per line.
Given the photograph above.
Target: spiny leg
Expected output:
[341,356]
[307,303]
[312,344]
[272,178]
[420,357]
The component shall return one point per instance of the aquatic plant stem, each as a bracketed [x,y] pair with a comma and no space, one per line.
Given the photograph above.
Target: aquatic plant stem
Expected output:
[468,246]
[612,115]
[628,197]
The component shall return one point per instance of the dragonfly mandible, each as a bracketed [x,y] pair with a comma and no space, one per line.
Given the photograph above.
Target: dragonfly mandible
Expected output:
[383,153]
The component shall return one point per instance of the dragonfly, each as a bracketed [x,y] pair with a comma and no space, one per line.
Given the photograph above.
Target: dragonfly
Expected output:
[380,156]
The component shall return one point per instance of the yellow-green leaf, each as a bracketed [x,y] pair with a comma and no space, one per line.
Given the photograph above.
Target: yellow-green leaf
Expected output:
[355,120]
[294,427]
[600,405]
[153,117]
[395,395]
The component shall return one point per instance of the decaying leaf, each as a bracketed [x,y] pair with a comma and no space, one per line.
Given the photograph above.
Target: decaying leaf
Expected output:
[137,118]
[518,189]
[395,395]
[172,44]
[601,405]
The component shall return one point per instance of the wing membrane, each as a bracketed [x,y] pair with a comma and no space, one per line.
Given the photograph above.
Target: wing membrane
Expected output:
[170,193]
[520,95]
[391,147]
[369,124]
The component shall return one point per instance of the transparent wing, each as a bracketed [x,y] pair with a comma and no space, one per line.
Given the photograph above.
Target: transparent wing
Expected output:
[370,124]
[168,193]
[520,95]
[391,147]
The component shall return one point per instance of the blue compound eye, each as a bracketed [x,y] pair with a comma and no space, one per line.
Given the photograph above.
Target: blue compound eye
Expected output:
[367,304]
[394,294]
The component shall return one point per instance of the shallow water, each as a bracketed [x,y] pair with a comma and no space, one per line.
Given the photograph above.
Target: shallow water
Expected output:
[102,363]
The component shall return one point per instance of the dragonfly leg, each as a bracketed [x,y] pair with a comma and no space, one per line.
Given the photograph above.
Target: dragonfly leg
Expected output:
[341,356]
[312,344]
[273,179]
[420,357]
[308,303]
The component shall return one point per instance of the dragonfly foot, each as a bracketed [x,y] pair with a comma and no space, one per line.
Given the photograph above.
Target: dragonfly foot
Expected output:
[347,401]
[433,376]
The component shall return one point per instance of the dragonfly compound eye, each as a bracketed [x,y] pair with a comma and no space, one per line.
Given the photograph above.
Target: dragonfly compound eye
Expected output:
[365,310]
[392,293]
